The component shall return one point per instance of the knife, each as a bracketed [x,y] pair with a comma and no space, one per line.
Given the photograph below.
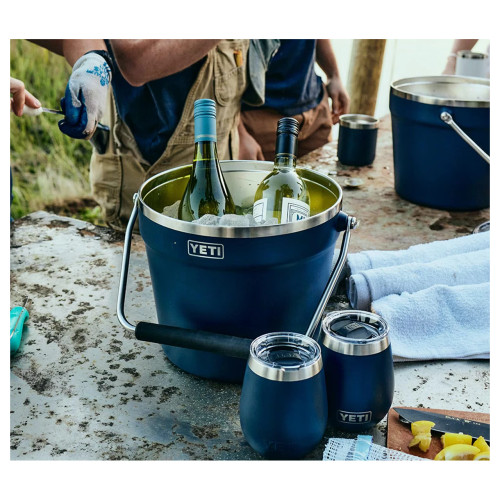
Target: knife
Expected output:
[446,423]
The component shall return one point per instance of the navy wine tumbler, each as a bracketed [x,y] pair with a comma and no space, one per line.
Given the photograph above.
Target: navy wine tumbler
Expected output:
[359,369]
[283,406]
[357,140]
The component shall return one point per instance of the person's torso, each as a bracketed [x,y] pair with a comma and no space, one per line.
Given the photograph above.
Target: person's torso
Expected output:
[292,85]
[153,110]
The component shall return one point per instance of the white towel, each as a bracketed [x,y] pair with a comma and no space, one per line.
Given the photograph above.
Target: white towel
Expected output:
[440,322]
[425,252]
[462,269]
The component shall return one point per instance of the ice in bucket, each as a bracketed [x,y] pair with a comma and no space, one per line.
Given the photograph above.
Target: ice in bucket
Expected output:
[233,220]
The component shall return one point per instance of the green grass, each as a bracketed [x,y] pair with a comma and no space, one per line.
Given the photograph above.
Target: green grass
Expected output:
[48,167]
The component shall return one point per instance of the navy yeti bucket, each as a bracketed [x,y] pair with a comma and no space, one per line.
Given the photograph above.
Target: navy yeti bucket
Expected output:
[433,164]
[236,281]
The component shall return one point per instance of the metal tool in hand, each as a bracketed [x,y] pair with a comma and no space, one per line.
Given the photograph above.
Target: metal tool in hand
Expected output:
[99,138]
[18,316]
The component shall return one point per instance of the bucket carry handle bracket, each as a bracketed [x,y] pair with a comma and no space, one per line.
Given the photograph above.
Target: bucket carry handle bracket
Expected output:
[225,345]
[447,118]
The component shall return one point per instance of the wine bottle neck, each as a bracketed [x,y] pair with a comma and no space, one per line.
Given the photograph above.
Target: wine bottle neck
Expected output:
[286,149]
[205,152]
[285,160]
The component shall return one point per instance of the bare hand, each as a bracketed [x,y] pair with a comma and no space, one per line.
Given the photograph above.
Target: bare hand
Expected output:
[20,96]
[449,69]
[249,148]
[340,99]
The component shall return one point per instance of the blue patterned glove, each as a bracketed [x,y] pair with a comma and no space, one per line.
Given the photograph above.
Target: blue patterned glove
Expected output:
[85,97]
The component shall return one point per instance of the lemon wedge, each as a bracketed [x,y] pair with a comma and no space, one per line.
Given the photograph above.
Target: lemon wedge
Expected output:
[449,438]
[482,455]
[421,431]
[421,427]
[458,452]
[481,444]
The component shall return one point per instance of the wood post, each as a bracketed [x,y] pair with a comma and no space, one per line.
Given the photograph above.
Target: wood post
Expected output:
[364,75]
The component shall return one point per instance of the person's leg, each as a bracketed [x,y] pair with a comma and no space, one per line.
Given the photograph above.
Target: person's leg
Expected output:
[316,127]
[261,124]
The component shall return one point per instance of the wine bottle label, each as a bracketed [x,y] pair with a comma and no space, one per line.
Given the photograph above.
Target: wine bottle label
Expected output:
[294,210]
[259,210]
[291,210]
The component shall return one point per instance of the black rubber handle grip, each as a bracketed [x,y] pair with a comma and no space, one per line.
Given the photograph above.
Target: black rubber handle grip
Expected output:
[217,343]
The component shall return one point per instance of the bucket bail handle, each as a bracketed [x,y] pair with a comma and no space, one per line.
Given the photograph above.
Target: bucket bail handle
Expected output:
[447,118]
[351,223]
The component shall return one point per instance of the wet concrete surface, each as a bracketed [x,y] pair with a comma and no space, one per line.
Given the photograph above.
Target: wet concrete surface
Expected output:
[84,388]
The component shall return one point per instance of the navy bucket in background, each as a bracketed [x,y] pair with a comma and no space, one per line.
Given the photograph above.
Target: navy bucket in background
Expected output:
[239,281]
[357,142]
[433,165]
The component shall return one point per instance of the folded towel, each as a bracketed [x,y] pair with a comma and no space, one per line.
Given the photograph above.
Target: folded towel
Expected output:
[425,252]
[462,269]
[440,322]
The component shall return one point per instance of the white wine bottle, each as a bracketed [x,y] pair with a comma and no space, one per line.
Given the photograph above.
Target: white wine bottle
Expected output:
[206,191]
[283,194]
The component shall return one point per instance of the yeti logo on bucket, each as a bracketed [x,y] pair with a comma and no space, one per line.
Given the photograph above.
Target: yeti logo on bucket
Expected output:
[205,250]
[349,417]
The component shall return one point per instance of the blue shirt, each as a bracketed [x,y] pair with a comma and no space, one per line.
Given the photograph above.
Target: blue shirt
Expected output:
[152,111]
[292,85]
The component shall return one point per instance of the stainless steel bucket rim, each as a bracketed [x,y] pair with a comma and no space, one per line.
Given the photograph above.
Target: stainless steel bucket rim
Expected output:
[241,232]
[402,88]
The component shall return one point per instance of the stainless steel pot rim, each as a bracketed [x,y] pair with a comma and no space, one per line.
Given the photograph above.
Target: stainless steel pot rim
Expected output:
[468,54]
[402,88]
[354,347]
[359,121]
[275,341]
[239,232]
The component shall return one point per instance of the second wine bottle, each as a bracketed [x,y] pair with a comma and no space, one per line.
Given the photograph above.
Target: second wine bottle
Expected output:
[206,191]
[283,194]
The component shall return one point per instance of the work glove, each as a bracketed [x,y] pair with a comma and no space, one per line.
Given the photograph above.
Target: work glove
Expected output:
[85,97]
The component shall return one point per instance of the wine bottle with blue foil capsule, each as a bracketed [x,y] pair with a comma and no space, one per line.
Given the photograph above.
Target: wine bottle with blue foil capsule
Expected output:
[206,191]
[283,194]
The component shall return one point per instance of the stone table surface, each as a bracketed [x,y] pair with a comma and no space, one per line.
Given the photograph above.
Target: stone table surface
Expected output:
[84,388]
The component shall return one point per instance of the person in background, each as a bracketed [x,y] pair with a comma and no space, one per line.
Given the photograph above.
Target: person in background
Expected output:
[144,90]
[293,88]
[458,44]
[19,97]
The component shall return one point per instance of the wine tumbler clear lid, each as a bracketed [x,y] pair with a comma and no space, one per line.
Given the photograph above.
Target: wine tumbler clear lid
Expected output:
[285,357]
[355,333]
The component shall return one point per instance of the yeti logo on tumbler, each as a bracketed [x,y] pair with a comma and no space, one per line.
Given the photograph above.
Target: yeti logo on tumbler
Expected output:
[362,417]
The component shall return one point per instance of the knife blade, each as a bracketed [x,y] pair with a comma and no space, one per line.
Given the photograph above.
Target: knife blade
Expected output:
[53,111]
[446,423]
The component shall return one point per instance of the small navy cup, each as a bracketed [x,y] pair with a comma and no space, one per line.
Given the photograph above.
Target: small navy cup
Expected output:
[359,369]
[357,140]
[283,406]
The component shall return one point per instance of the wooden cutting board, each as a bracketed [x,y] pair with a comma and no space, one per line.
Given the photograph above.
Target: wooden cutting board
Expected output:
[399,434]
